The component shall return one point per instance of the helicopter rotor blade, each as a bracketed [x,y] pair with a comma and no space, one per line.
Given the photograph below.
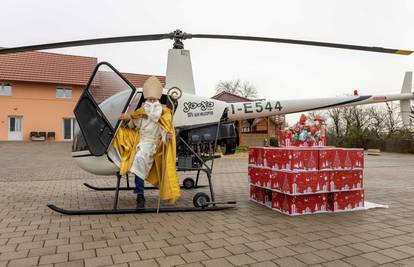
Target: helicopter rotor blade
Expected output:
[122,39]
[178,35]
[303,42]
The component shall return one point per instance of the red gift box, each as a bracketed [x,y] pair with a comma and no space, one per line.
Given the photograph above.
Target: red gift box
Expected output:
[284,138]
[340,158]
[347,200]
[345,180]
[256,156]
[259,177]
[296,183]
[257,194]
[291,158]
[297,205]
[353,158]
[276,179]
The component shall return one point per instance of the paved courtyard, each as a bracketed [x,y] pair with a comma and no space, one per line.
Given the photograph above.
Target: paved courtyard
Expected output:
[35,174]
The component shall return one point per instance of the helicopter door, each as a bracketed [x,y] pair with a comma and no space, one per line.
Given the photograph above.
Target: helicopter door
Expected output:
[106,96]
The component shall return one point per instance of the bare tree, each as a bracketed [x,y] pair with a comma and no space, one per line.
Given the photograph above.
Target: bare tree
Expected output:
[335,115]
[237,87]
[377,120]
[393,120]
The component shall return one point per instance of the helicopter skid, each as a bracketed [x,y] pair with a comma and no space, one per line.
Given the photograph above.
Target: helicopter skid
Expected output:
[133,211]
[132,188]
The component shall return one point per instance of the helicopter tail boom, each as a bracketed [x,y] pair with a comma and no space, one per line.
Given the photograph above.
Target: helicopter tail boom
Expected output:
[265,108]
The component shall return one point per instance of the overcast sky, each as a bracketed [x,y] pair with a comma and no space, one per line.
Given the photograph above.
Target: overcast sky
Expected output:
[279,71]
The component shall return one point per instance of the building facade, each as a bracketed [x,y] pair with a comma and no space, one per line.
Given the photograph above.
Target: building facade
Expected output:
[38,92]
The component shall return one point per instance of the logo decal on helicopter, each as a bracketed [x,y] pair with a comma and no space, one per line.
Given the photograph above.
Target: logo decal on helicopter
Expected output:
[205,106]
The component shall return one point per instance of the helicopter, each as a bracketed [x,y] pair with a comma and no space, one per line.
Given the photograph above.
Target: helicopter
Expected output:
[202,124]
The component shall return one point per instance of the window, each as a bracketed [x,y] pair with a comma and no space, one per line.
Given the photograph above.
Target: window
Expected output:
[68,128]
[5,89]
[64,92]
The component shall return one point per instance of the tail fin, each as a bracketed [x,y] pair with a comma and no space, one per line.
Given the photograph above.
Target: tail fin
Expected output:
[405,105]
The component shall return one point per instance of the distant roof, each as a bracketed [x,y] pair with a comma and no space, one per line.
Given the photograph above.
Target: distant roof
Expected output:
[230,98]
[138,79]
[44,67]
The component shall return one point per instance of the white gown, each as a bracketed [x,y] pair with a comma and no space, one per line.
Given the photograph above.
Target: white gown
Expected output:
[150,136]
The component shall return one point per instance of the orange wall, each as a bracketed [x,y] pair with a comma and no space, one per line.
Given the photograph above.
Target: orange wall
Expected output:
[41,110]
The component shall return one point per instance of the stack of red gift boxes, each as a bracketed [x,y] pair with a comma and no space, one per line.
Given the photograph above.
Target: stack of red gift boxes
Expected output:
[305,180]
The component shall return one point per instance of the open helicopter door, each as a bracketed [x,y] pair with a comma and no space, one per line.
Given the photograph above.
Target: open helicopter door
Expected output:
[106,96]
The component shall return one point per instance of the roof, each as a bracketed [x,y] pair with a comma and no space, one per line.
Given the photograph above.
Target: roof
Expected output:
[138,79]
[230,98]
[45,67]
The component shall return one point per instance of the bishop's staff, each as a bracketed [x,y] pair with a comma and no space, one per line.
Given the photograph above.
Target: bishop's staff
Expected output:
[173,94]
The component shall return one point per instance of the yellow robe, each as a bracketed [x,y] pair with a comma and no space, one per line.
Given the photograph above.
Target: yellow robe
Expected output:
[126,142]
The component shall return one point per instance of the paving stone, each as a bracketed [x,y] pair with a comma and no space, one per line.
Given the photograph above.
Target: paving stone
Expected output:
[77,263]
[328,254]
[84,254]
[217,243]
[56,258]
[174,250]
[196,246]
[240,259]
[347,251]
[100,252]
[217,262]
[282,252]
[25,246]
[217,253]
[99,261]
[156,244]
[406,262]
[289,262]
[144,263]
[360,261]
[32,261]
[11,255]
[42,251]
[170,261]
[393,253]
[69,248]
[151,253]
[336,263]
[194,256]
[310,258]
[125,257]
[377,257]
[406,249]
[264,264]
[238,249]
[262,255]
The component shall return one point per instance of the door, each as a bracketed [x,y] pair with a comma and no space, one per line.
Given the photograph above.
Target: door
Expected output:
[68,129]
[97,112]
[15,128]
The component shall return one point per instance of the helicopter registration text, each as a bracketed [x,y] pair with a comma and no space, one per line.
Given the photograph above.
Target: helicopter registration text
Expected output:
[257,107]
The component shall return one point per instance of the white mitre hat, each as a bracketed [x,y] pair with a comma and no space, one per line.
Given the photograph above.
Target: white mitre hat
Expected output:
[152,88]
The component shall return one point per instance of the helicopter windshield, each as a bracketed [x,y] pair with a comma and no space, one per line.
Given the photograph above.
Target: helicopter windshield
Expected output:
[110,92]
[99,108]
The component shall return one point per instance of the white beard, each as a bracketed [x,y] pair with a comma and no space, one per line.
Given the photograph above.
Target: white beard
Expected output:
[153,110]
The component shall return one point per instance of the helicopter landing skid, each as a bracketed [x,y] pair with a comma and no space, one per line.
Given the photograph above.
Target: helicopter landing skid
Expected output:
[204,205]
[130,211]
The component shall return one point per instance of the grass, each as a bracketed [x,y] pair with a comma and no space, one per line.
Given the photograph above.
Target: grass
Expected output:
[242,149]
